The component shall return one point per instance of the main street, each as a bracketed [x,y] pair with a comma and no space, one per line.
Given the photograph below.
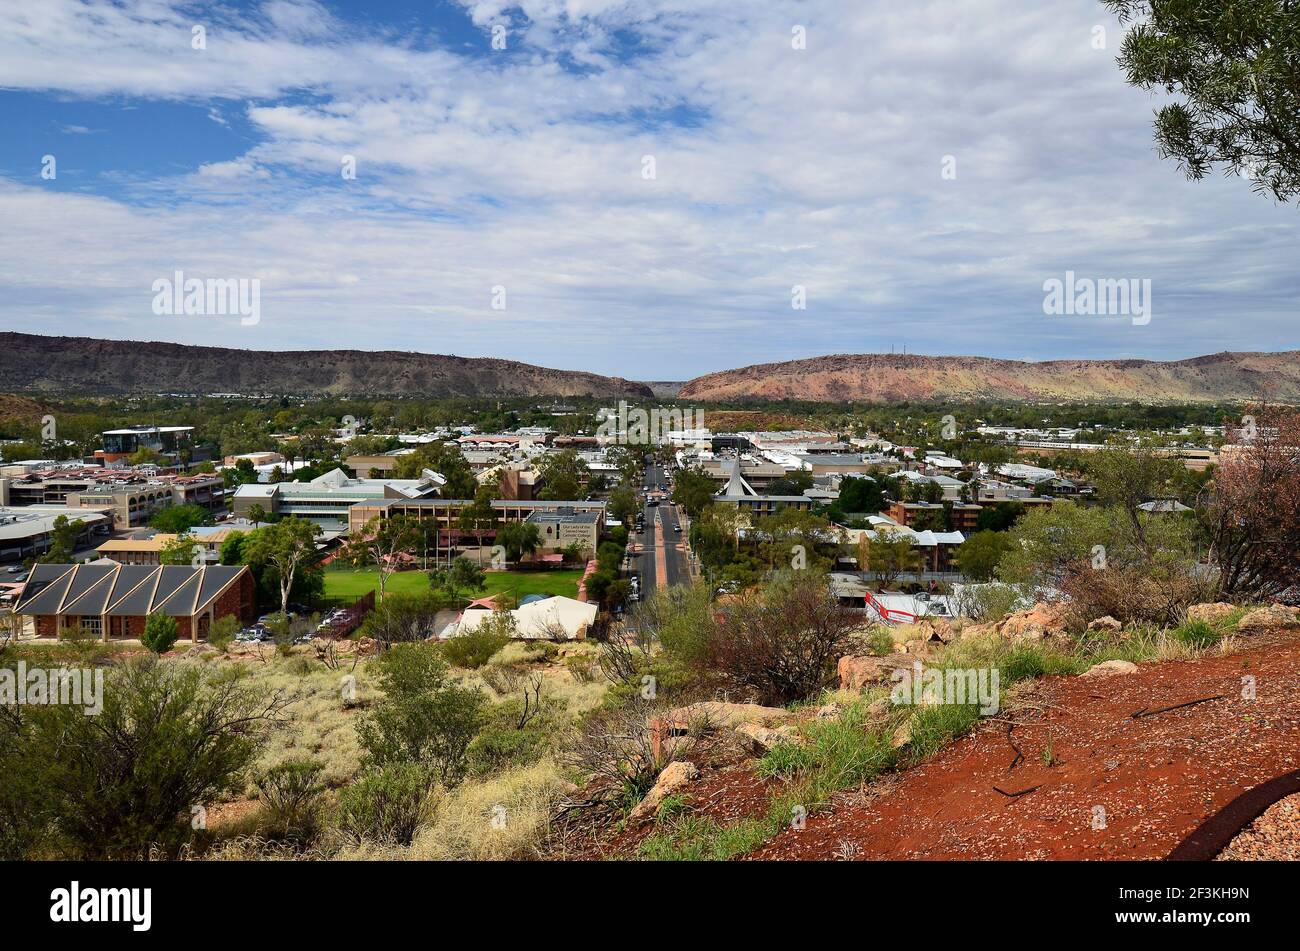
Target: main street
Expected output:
[662,560]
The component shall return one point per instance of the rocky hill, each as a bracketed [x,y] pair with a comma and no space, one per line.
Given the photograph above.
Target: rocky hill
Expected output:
[80,365]
[890,378]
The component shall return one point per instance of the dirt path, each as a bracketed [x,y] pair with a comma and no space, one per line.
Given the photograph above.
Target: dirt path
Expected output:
[1156,777]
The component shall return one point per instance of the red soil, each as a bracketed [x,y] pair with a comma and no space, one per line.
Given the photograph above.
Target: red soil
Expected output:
[1156,777]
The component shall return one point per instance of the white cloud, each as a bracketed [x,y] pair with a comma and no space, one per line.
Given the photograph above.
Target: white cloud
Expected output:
[818,167]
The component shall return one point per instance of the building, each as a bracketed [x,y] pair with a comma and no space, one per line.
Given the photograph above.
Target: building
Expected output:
[965,515]
[564,527]
[109,600]
[174,442]
[26,532]
[132,496]
[450,538]
[326,499]
[743,496]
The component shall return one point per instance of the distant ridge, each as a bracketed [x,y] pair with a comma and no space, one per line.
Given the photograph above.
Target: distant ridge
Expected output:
[891,378]
[30,363]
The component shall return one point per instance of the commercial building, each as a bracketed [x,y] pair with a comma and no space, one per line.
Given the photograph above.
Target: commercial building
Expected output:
[132,496]
[26,532]
[174,442]
[326,500]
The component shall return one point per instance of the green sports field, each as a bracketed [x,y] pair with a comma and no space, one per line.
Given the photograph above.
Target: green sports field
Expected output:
[350,584]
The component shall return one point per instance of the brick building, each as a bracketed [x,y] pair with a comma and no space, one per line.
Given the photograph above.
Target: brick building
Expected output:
[110,600]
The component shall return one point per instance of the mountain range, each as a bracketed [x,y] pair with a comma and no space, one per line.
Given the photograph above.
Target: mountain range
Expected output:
[35,364]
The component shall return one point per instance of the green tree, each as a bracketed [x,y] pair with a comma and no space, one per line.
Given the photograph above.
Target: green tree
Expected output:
[179,519]
[63,541]
[563,474]
[478,518]
[1235,68]
[693,490]
[287,546]
[160,633]
[169,738]
[425,717]
[181,550]
[979,555]
[519,539]
[382,542]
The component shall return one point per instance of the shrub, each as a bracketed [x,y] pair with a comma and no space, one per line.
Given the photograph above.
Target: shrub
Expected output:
[475,648]
[880,642]
[223,631]
[388,804]
[425,717]
[291,795]
[1196,634]
[119,784]
[781,644]
[160,633]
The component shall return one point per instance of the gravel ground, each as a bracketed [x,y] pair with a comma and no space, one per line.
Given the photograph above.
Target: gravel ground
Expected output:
[1274,836]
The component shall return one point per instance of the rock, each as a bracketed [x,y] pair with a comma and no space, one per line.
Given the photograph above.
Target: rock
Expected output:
[1111,668]
[1212,614]
[1107,625]
[859,670]
[1273,616]
[829,711]
[879,707]
[759,739]
[1045,619]
[674,777]
[903,735]
[709,715]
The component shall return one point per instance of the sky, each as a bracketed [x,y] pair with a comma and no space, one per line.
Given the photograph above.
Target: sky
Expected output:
[653,189]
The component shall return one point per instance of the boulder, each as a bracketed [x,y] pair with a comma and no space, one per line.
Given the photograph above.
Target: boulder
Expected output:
[674,777]
[829,711]
[709,715]
[1105,625]
[1111,668]
[1269,618]
[759,739]
[860,670]
[1045,619]
[902,735]
[1212,614]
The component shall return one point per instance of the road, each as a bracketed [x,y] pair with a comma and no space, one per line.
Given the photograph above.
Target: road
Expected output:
[661,560]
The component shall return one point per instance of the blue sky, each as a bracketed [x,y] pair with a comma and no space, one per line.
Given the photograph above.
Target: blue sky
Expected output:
[523,168]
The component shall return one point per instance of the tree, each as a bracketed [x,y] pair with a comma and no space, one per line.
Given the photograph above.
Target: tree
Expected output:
[562,475]
[409,617]
[181,550]
[232,549]
[979,555]
[694,490]
[1236,67]
[160,633]
[622,503]
[888,555]
[256,514]
[460,576]
[168,739]
[861,495]
[478,518]
[63,541]
[285,546]
[426,717]
[179,519]
[444,458]
[381,542]
[519,539]
[1251,511]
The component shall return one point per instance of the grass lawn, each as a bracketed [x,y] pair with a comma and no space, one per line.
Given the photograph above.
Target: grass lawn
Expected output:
[348,584]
